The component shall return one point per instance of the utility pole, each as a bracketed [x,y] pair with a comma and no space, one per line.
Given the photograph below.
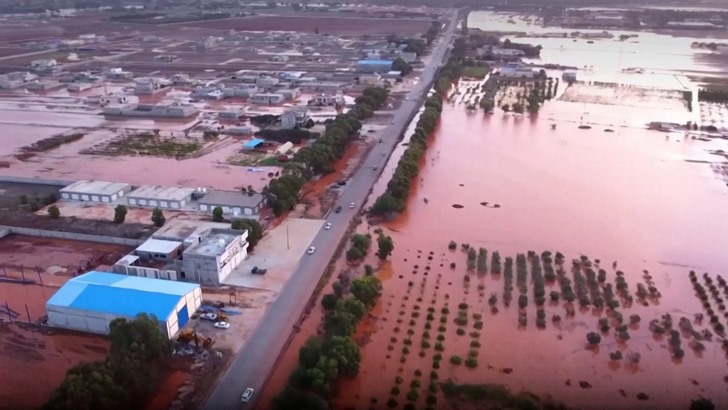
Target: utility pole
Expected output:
[288,239]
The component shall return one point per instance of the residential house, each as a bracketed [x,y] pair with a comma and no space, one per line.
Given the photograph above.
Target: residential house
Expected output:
[296,117]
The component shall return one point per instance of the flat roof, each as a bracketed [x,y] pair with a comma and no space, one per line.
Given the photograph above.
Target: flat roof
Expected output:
[210,245]
[232,198]
[96,187]
[181,229]
[163,193]
[121,295]
[153,245]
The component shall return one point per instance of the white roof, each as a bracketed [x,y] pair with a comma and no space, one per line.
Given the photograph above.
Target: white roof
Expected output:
[96,187]
[163,193]
[158,246]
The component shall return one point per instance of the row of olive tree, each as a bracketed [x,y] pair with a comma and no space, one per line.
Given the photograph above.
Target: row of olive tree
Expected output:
[125,379]
[393,199]
[318,158]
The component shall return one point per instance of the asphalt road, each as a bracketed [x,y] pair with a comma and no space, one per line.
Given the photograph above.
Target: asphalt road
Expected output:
[255,361]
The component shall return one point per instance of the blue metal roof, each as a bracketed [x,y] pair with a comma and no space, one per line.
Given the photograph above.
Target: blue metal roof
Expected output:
[253,143]
[125,296]
[376,62]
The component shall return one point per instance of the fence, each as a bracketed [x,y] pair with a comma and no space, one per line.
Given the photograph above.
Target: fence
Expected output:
[6,230]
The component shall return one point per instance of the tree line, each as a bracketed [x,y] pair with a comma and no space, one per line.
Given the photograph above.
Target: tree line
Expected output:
[325,359]
[318,158]
[125,379]
[393,199]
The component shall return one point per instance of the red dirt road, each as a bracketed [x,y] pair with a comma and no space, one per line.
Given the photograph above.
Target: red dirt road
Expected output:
[326,25]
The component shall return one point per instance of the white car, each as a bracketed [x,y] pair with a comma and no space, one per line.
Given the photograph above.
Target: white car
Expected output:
[352,205]
[327,226]
[222,325]
[311,250]
[209,316]
[247,395]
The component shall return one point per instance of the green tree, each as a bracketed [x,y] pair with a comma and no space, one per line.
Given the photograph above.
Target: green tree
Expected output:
[367,289]
[386,204]
[353,306]
[354,254]
[217,215]
[401,66]
[361,242]
[141,337]
[345,352]
[120,212]
[328,301]
[254,228]
[88,386]
[385,246]
[309,353]
[158,218]
[54,212]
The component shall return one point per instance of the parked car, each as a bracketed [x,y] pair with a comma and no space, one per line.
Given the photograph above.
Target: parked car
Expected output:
[327,226]
[311,250]
[222,325]
[381,141]
[338,209]
[209,316]
[352,205]
[247,395]
[258,271]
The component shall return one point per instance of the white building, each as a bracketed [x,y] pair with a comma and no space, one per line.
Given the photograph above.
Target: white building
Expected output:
[213,255]
[154,196]
[370,79]
[90,302]
[232,203]
[264,98]
[95,191]
[293,118]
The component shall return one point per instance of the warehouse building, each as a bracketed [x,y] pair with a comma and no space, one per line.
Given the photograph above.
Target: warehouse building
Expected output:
[95,191]
[232,202]
[164,197]
[89,302]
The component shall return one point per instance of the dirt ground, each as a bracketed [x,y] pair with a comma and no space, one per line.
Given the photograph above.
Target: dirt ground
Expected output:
[34,362]
[325,25]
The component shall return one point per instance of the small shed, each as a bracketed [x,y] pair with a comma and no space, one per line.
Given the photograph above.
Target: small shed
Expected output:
[233,202]
[253,144]
[159,250]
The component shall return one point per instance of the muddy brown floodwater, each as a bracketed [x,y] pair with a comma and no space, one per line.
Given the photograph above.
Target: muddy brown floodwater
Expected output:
[627,196]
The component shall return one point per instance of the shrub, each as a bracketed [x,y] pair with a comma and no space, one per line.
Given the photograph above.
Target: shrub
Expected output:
[434,375]
[426,335]
[425,344]
[393,339]
[392,403]
[410,332]
[522,301]
[593,338]
[398,380]
[472,353]
[407,342]
[463,306]
[405,350]
[440,338]
[415,314]
[471,363]
[478,325]
[439,347]
[443,319]
[54,212]
[394,391]
[431,400]
[441,328]
[474,334]
[432,387]
[329,301]
[413,395]
[430,317]
[428,325]
[475,344]
[460,331]
[604,324]
[415,384]
[445,310]
[456,360]
[437,356]
[461,320]
[435,365]
[477,316]
[617,355]
[452,245]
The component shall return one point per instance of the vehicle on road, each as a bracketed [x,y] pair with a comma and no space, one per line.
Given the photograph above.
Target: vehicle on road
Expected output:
[258,271]
[327,226]
[338,209]
[381,141]
[222,325]
[352,205]
[376,167]
[311,250]
[370,131]
[247,395]
[209,316]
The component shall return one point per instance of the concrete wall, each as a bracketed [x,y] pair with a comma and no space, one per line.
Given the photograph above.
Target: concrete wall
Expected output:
[72,236]
[145,272]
